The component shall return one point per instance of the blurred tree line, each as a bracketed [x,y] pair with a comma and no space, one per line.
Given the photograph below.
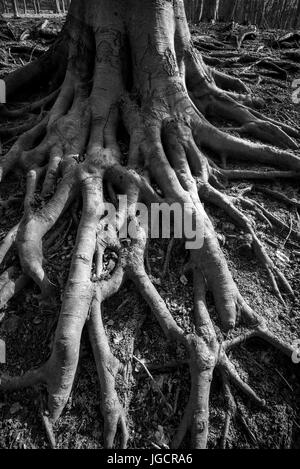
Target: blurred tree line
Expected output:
[33,6]
[283,14]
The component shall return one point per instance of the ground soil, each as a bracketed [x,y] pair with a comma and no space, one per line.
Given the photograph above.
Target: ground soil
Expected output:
[133,333]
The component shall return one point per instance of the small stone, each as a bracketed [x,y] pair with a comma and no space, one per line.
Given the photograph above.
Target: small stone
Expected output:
[37,321]
[110,322]
[16,407]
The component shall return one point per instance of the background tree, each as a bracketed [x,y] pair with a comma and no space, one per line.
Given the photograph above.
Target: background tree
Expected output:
[4,6]
[25,7]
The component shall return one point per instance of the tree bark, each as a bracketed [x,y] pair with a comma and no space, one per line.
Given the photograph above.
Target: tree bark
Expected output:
[216,10]
[15,8]
[199,12]
[297,16]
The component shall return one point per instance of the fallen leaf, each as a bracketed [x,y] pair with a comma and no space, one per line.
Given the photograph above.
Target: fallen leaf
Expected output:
[16,407]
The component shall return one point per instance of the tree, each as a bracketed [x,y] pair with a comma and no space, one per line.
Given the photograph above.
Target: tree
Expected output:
[164,95]
[37,7]
[216,6]
[297,15]
[25,7]
[199,11]
[208,9]
[283,14]
[57,6]
[15,7]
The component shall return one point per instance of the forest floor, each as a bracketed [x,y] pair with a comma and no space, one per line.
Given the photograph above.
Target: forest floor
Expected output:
[155,405]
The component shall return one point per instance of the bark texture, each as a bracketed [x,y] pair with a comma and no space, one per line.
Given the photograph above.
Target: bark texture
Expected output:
[134,62]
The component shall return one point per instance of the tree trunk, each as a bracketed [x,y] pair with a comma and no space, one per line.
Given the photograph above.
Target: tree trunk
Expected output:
[5,6]
[15,8]
[134,62]
[199,11]
[35,6]
[211,9]
[216,11]
[297,16]
[58,10]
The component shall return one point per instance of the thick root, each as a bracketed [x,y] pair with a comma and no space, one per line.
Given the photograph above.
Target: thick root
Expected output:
[107,367]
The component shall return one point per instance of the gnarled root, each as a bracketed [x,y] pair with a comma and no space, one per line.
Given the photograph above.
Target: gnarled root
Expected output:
[73,151]
[107,367]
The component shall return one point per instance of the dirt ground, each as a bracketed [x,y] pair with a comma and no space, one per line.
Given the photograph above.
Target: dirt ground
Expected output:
[154,406]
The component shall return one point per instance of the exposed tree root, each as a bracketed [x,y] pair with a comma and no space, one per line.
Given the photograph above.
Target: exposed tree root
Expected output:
[107,367]
[164,103]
